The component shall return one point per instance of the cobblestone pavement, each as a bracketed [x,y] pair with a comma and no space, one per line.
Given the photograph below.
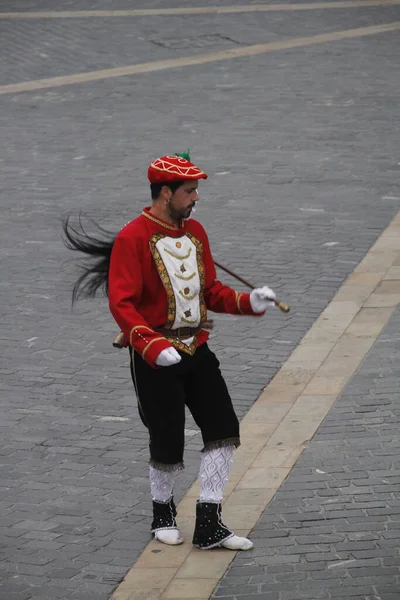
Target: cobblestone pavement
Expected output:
[302,151]
[333,528]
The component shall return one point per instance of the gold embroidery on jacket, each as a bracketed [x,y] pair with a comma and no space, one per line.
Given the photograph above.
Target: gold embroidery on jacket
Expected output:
[183,347]
[177,255]
[186,296]
[133,330]
[164,276]
[161,337]
[238,297]
[184,320]
[202,276]
[163,273]
[158,221]
[185,278]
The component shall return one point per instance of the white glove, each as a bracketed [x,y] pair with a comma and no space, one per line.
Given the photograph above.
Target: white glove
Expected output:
[261,298]
[168,357]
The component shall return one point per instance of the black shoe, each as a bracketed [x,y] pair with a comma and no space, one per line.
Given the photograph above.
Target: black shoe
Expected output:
[209,531]
[164,527]
[164,514]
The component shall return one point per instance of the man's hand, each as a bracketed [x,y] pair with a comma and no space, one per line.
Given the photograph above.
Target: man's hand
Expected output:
[261,298]
[168,357]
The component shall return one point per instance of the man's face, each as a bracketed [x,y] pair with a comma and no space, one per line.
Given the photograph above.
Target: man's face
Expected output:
[183,200]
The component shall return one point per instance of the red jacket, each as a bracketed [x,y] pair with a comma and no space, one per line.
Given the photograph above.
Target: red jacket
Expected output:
[162,277]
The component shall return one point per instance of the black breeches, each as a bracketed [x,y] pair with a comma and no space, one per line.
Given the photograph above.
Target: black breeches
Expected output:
[162,394]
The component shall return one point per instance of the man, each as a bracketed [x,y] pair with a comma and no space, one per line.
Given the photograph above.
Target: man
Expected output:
[161,282]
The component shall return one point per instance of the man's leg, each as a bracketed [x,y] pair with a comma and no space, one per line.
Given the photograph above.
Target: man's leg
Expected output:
[164,526]
[161,406]
[211,406]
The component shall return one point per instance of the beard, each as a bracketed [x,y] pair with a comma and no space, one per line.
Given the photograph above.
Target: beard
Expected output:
[177,215]
[190,215]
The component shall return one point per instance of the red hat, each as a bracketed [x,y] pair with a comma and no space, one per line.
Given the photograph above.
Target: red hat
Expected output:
[174,168]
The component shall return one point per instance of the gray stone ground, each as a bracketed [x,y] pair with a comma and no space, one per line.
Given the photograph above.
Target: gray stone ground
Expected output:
[333,528]
[302,151]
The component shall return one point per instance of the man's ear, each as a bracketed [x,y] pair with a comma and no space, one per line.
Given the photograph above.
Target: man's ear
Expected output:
[166,192]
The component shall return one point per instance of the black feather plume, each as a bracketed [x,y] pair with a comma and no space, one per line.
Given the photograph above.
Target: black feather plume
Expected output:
[94,276]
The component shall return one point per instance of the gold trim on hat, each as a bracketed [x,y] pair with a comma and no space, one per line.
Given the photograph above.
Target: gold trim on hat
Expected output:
[173,169]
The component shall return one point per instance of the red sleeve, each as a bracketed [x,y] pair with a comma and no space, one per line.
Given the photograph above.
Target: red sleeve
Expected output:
[125,282]
[218,297]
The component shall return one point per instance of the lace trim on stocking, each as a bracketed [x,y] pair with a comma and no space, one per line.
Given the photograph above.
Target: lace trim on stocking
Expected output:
[168,468]
[232,441]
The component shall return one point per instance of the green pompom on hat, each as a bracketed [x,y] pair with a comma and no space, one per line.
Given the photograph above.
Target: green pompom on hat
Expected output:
[185,155]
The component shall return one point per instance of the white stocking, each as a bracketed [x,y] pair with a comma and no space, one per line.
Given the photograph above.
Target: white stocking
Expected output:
[162,484]
[214,469]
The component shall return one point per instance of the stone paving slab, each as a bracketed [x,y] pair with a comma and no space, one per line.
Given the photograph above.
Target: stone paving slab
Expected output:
[332,529]
[276,429]
[48,5]
[307,144]
[60,46]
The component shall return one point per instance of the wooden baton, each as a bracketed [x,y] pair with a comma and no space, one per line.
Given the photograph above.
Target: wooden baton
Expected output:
[281,305]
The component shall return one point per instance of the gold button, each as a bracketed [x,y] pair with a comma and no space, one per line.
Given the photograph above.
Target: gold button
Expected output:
[178,245]
[186,291]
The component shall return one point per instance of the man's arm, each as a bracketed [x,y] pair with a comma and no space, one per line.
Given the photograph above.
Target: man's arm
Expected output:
[125,284]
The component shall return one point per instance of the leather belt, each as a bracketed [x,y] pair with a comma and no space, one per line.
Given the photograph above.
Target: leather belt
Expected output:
[181,333]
